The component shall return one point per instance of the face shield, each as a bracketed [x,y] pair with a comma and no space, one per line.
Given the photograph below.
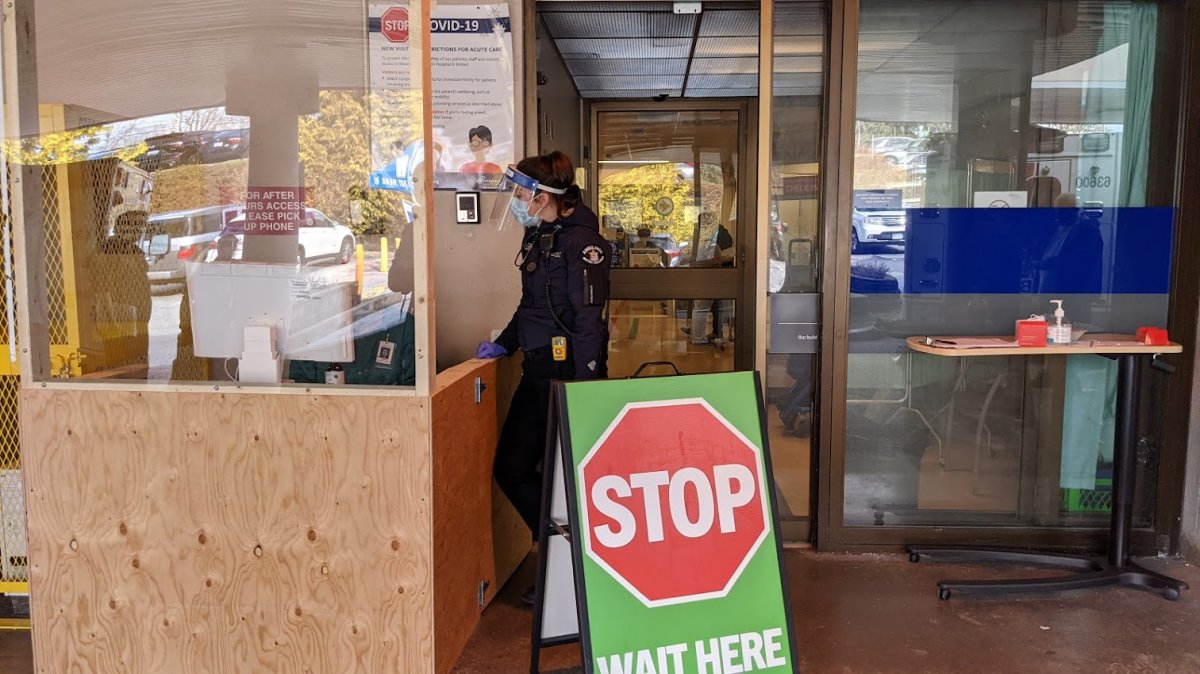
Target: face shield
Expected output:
[521,201]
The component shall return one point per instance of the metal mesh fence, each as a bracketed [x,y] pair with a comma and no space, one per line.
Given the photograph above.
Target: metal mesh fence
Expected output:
[13,563]
[56,300]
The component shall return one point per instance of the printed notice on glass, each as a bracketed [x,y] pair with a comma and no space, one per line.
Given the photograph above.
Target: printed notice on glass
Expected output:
[273,210]
[472,97]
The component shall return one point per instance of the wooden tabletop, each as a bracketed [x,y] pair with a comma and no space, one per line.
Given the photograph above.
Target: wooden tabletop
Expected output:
[1084,345]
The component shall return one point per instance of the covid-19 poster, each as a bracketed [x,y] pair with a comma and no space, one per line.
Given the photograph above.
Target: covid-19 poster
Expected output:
[472,97]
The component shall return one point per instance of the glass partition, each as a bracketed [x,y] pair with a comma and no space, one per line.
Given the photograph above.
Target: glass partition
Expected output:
[794,227]
[692,335]
[236,201]
[668,186]
[1002,160]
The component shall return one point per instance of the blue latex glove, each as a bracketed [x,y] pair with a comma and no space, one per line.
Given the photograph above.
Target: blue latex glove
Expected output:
[490,350]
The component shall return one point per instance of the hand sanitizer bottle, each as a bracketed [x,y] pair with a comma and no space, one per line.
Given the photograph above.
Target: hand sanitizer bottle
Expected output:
[1060,332]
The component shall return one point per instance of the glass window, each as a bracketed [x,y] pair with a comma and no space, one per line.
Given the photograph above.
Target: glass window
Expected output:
[1001,161]
[668,187]
[794,225]
[175,247]
[210,222]
[694,335]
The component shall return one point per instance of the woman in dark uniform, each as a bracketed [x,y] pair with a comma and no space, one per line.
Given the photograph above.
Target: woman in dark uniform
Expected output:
[564,269]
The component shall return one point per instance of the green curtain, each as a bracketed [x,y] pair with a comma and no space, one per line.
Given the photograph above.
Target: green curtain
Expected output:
[1142,22]
[1089,414]
[1089,419]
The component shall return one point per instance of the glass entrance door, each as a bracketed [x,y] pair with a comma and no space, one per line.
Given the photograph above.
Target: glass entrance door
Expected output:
[794,250]
[673,186]
[1004,156]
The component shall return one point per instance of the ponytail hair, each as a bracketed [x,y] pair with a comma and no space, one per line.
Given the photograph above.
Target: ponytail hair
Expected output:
[568,201]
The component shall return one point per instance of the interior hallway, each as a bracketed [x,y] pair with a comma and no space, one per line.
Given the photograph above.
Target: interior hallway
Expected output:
[880,613]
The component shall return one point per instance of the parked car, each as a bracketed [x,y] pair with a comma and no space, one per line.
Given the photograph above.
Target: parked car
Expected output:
[226,145]
[321,238]
[131,188]
[172,149]
[885,144]
[192,233]
[917,162]
[882,227]
[904,155]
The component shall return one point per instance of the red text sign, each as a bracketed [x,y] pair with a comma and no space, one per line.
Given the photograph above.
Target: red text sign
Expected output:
[273,210]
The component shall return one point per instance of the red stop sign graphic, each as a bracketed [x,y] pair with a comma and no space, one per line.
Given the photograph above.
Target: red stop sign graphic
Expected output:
[394,24]
[674,503]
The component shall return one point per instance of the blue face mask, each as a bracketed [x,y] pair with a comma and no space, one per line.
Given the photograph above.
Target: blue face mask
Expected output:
[520,212]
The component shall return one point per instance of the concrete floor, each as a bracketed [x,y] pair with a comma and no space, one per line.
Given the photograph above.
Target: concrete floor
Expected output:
[880,613]
[16,656]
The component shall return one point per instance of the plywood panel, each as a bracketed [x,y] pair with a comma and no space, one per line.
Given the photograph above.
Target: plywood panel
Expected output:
[191,532]
[464,441]
[478,536]
[512,539]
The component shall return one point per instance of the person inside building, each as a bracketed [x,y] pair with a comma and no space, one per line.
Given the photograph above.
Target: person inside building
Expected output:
[560,322]
[121,290]
[718,253]
[226,248]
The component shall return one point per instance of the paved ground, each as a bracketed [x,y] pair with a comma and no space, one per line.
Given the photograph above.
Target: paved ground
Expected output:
[879,613]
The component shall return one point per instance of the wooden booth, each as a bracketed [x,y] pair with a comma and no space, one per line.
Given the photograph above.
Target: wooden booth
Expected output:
[194,523]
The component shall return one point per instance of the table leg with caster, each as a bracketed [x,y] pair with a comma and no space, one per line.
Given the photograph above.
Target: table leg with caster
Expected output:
[1130,575]
[1115,568]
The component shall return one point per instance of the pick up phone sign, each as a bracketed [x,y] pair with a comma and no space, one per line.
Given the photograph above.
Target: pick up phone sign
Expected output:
[273,210]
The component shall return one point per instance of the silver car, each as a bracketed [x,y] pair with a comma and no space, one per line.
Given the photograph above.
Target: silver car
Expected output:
[882,227]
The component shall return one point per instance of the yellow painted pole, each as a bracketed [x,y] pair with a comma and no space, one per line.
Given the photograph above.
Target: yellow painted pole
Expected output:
[384,254]
[358,267]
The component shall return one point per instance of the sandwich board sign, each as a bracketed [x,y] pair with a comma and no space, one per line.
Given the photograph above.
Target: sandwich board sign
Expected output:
[659,547]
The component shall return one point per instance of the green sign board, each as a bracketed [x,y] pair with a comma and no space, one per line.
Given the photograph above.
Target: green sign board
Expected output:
[670,500]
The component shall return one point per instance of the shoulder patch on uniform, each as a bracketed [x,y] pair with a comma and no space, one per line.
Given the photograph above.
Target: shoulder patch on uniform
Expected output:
[593,255]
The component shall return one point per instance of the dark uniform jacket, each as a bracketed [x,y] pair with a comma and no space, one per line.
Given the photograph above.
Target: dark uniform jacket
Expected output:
[564,290]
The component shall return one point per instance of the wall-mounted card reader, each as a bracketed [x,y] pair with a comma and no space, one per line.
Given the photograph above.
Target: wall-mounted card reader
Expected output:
[468,208]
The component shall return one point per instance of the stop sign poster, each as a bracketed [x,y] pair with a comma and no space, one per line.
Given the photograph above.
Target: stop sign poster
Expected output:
[677,554]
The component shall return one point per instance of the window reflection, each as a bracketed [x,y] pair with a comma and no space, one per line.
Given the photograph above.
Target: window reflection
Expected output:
[694,335]
[793,227]
[145,203]
[1000,163]
[668,187]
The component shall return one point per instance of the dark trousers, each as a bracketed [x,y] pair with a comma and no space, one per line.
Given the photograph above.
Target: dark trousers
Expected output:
[522,444]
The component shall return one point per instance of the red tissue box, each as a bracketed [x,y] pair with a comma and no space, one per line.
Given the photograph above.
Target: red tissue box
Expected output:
[1153,336]
[1031,333]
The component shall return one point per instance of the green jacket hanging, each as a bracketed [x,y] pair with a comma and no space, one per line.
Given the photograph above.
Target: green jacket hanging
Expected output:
[374,364]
